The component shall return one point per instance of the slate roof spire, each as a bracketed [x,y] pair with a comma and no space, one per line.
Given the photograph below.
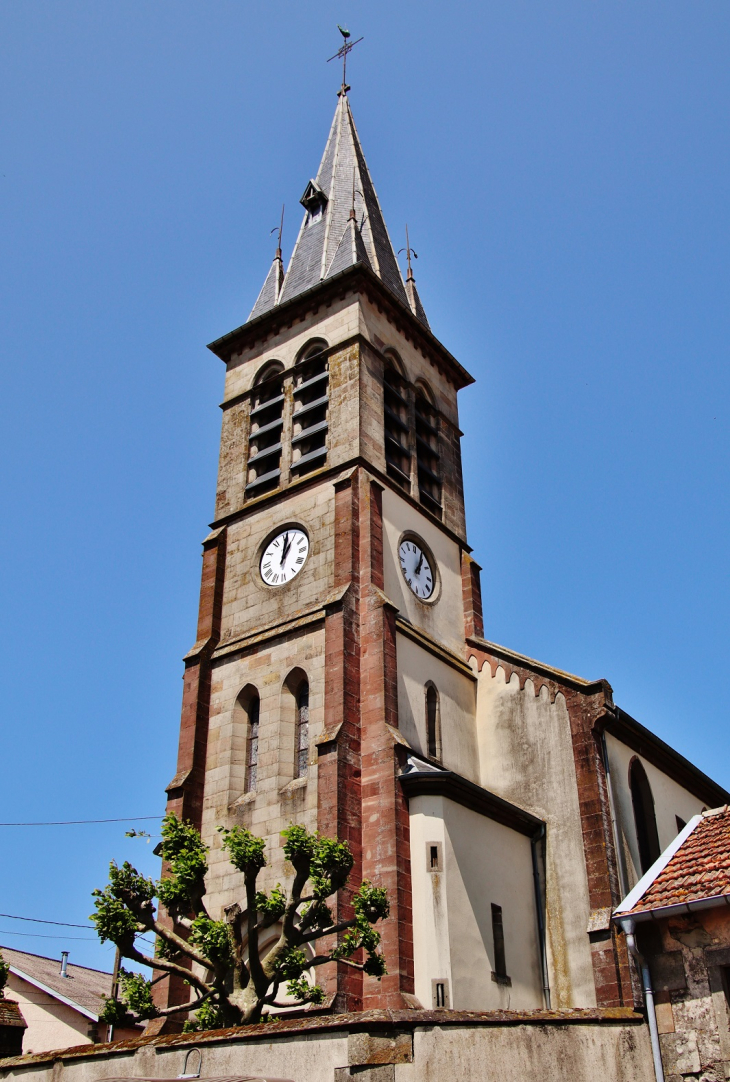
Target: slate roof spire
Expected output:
[343,224]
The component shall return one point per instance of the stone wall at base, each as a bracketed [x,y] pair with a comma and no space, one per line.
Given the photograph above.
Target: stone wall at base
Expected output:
[378,1046]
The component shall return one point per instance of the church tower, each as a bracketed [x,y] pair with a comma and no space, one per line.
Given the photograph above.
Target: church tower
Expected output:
[340,677]
[336,573]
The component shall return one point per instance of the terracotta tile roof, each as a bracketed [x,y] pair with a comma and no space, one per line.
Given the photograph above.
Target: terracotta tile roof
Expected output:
[698,870]
[84,987]
[10,1014]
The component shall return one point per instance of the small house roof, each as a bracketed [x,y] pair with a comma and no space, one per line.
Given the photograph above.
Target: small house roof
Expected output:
[83,989]
[693,872]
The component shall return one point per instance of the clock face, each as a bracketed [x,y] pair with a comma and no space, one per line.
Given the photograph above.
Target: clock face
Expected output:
[416,568]
[284,557]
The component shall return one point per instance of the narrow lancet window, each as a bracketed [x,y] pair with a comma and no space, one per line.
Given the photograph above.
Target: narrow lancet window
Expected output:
[397,434]
[310,418]
[433,726]
[264,441]
[302,732]
[252,745]
[427,455]
[644,816]
[500,961]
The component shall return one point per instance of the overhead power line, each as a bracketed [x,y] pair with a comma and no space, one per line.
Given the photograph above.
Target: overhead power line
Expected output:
[40,935]
[37,920]
[83,822]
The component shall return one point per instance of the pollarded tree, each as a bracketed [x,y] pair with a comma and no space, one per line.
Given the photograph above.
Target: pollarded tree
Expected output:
[232,980]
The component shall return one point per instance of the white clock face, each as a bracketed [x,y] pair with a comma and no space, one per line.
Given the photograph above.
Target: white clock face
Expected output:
[284,557]
[416,568]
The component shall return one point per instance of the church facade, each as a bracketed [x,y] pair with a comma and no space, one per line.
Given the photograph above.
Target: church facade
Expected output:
[341,676]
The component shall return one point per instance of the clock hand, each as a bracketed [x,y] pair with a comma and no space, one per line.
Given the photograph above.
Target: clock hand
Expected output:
[420,564]
[287,546]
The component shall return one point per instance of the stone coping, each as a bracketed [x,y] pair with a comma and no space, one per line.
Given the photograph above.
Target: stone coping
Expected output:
[381,1020]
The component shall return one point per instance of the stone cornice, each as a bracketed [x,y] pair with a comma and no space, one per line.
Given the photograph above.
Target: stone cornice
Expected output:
[333,473]
[358,278]
[462,791]
[437,649]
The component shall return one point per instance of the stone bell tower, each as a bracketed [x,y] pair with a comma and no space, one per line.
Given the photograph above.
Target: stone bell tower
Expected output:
[336,577]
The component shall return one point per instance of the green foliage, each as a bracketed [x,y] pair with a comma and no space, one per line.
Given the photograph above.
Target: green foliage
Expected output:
[316,915]
[114,920]
[272,905]
[4,974]
[125,907]
[208,1016]
[371,903]
[135,995]
[214,939]
[183,849]
[330,866]
[304,991]
[291,964]
[115,1012]
[245,850]
[166,950]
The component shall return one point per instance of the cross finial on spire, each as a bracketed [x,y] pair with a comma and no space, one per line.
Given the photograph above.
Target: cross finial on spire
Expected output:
[409,252]
[347,47]
[279,230]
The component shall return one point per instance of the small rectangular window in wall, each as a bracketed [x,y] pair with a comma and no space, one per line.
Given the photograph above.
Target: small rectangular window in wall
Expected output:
[499,974]
[440,998]
[433,857]
[309,420]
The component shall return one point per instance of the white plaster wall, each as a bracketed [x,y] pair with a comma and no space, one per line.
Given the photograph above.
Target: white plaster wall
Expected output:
[670,800]
[526,756]
[442,619]
[484,863]
[457,703]
[431,941]
[50,1024]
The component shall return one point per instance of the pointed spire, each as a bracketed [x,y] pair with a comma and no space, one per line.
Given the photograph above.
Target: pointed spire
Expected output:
[343,224]
[411,292]
[271,289]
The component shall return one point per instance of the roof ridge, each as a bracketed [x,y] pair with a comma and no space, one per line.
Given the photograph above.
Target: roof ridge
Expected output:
[50,958]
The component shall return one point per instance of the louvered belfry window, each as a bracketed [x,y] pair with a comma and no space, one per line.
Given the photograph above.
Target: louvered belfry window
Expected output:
[395,408]
[264,442]
[302,731]
[427,455]
[309,419]
[252,745]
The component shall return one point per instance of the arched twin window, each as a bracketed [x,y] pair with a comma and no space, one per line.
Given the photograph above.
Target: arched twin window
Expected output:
[270,433]
[433,722]
[644,815]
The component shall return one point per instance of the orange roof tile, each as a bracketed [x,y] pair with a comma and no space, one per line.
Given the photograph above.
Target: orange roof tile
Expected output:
[698,870]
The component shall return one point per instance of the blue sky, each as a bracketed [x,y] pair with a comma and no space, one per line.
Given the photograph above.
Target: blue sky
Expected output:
[563,171]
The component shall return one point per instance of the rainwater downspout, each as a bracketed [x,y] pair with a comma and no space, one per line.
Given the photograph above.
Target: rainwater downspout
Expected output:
[535,840]
[628,926]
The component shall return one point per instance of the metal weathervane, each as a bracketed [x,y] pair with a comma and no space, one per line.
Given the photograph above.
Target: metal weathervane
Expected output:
[347,47]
